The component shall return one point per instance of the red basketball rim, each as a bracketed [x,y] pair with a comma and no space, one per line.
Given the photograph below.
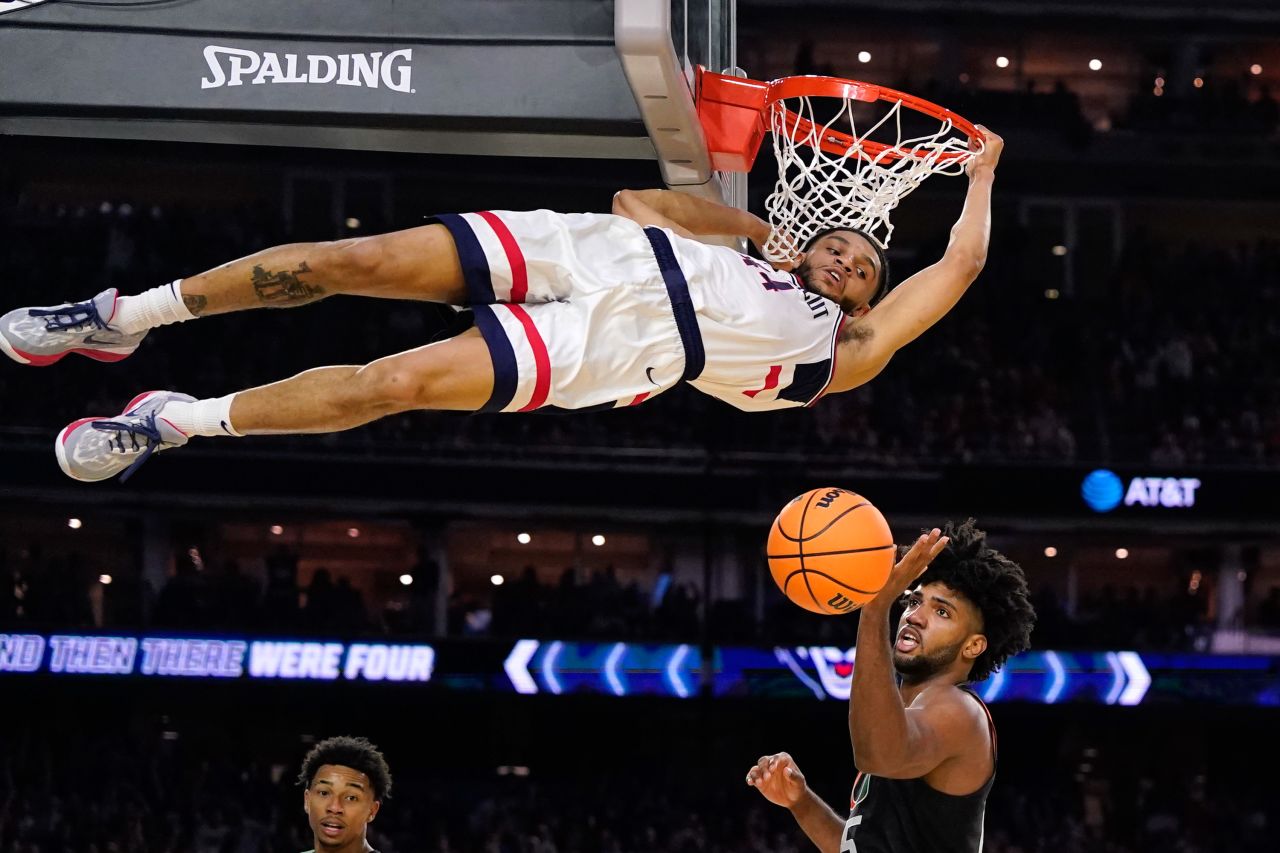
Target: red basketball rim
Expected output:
[836,142]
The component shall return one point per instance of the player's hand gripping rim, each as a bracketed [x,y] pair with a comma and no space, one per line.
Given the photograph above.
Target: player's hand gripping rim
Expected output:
[986,148]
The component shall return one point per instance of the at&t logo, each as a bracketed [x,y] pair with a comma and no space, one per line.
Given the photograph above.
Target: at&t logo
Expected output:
[1103,491]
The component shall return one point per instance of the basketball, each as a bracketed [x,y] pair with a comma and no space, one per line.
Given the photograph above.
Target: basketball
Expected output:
[830,551]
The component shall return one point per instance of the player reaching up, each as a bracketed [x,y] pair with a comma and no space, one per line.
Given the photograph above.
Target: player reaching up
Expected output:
[923,742]
[572,311]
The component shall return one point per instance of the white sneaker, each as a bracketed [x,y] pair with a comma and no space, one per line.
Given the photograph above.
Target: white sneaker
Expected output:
[93,449]
[41,336]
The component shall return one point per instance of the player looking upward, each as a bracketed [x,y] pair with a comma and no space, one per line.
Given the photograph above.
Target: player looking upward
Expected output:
[923,742]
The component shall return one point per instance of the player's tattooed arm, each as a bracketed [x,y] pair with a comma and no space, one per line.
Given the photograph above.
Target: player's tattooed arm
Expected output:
[195,303]
[867,343]
[855,334]
[285,288]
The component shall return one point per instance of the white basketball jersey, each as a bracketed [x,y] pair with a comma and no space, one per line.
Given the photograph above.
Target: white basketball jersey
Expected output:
[770,344]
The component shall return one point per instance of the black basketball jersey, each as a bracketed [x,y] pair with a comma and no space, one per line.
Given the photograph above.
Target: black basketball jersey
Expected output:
[901,815]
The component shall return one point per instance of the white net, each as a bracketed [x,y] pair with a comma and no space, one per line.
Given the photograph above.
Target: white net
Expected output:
[857,188]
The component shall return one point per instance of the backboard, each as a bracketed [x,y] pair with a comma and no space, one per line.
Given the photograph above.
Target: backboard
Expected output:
[529,78]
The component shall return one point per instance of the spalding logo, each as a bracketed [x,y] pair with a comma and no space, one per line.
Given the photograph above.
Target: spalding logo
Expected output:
[15,5]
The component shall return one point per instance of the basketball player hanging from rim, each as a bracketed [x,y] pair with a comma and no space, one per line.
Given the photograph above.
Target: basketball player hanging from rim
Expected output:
[923,742]
[572,311]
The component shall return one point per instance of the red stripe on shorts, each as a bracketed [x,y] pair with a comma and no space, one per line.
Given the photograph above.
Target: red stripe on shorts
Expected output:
[515,258]
[541,361]
[770,381]
[640,398]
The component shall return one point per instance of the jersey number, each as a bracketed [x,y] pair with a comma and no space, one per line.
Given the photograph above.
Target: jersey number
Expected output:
[771,279]
[847,844]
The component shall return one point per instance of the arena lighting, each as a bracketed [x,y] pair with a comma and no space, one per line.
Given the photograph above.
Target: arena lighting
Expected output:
[618,669]
[74,523]
[994,685]
[353,532]
[611,669]
[1122,553]
[276,530]
[1198,82]
[496,580]
[352,222]
[864,56]
[406,579]
[1002,62]
[597,540]
[1095,64]
[524,538]
[1059,250]
[104,579]
[1051,551]
[1255,69]
[1159,82]
[1059,681]
[1116,678]
[1052,293]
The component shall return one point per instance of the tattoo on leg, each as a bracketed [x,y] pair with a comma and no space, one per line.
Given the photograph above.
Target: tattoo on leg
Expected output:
[195,304]
[284,287]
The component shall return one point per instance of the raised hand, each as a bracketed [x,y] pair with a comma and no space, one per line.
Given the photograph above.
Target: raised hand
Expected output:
[911,566]
[988,149]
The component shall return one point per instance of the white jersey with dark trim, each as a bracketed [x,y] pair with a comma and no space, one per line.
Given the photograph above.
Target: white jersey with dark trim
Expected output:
[770,344]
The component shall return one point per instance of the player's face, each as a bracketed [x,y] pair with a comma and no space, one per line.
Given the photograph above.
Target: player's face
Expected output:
[937,624]
[340,806]
[843,267]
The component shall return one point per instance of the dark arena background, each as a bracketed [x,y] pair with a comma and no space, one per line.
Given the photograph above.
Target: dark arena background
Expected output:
[561,629]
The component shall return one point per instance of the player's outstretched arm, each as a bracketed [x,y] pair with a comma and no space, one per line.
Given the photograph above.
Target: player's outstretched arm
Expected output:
[688,215]
[780,781]
[888,740]
[867,343]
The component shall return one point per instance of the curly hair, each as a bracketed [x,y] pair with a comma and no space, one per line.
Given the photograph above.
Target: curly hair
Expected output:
[354,752]
[996,586]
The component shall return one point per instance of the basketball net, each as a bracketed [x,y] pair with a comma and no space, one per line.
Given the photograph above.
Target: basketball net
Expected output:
[857,188]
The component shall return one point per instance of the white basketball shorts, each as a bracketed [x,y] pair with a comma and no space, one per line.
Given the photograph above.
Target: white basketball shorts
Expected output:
[579,310]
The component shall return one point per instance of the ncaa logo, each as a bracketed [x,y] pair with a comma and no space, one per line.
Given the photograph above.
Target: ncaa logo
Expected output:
[15,5]
[832,665]
[835,669]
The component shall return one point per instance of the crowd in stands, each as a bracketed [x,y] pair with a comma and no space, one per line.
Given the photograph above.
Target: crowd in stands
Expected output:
[1208,102]
[66,593]
[135,789]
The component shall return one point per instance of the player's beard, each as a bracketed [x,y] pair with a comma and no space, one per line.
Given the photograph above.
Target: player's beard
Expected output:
[917,668]
[802,273]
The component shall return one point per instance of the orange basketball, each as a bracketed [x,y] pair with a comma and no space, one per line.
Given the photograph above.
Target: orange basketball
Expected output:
[830,551]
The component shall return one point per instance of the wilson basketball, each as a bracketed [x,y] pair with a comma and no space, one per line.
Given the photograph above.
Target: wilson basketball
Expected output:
[830,551]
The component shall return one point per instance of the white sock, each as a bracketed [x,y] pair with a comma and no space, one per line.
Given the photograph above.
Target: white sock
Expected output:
[158,306]
[203,417]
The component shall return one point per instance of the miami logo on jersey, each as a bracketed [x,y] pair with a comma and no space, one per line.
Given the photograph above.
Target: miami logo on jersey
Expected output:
[861,787]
